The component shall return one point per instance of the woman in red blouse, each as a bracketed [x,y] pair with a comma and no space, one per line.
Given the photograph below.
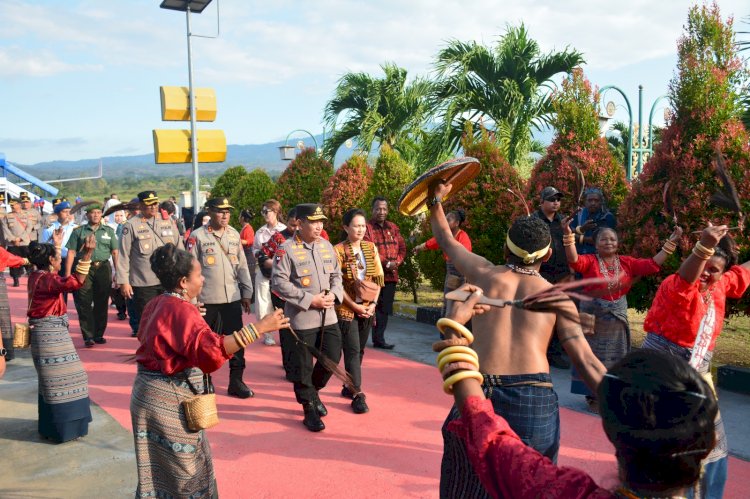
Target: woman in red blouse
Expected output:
[687,316]
[7,259]
[177,348]
[610,338]
[453,278]
[656,410]
[64,407]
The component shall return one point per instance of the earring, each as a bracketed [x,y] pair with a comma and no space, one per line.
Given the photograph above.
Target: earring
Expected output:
[184,291]
[51,268]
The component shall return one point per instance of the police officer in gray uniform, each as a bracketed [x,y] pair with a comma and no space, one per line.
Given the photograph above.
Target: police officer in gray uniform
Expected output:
[141,235]
[227,287]
[307,275]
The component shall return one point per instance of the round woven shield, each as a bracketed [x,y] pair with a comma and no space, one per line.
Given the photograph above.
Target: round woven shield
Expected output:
[458,172]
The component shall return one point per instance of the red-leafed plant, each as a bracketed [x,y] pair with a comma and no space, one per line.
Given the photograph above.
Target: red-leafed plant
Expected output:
[704,96]
[346,189]
[577,145]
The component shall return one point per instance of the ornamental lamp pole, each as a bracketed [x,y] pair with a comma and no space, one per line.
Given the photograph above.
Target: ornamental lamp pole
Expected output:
[287,152]
[188,6]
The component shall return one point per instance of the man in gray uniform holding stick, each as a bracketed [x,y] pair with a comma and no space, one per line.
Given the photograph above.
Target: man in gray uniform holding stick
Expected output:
[227,287]
[307,275]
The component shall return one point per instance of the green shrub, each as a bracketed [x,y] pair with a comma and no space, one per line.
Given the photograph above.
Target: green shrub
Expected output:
[304,180]
[250,193]
[227,182]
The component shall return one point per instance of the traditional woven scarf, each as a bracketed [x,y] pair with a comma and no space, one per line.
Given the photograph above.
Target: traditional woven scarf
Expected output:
[369,255]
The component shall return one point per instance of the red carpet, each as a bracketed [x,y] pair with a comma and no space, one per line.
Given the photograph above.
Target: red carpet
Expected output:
[261,449]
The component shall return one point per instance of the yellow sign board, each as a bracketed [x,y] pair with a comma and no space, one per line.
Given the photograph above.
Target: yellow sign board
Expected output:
[173,146]
[175,104]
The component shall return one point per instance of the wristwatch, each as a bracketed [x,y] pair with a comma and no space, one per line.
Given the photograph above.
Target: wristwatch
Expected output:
[432,202]
[3,352]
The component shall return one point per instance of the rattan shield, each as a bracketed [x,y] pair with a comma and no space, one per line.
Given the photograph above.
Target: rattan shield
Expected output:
[458,172]
[21,335]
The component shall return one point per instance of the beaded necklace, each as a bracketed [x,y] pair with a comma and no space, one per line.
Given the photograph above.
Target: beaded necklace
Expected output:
[176,295]
[522,270]
[610,273]
[629,494]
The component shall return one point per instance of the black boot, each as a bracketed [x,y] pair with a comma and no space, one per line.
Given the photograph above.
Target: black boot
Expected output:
[312,420]
[15,282]
[322,411]
[237,388]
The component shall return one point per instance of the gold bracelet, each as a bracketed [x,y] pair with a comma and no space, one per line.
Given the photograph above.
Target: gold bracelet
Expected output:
[459,376]
[238,338]
[578,230]
[667,251]
[444,322]
[569,238]
[566,243]
[252,331]
[706,251]
[580,239]
[670,244]
[699,255]
[457,349]
[457,357]
[83,270]
[246,336]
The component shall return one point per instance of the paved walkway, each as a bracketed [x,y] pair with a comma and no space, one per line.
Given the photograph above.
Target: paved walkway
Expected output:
[261,448]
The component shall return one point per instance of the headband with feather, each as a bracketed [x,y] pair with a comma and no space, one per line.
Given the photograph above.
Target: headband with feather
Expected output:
[668,209]
[121,206]
[79,206]
[580,185]
[523,200]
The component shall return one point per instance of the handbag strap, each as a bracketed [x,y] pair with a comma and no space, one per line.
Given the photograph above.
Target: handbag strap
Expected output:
[350,260]
[208,386]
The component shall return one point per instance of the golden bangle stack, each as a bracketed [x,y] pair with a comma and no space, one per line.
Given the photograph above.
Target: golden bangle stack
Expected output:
[445,322]
[569,239]
[26,262]
[669,247]
[702,252]
[83,267]
[453,360]
[579,231]
[245,336]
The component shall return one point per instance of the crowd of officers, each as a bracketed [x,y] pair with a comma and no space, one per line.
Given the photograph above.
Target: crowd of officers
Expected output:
[306,279]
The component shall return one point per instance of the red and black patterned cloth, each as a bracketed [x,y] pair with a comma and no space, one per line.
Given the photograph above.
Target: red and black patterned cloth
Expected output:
[391,246]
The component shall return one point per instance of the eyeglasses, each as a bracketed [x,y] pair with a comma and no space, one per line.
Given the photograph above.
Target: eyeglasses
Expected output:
[265,211]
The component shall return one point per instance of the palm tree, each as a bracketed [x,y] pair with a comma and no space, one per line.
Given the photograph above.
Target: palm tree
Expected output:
[504,88]
[387,110]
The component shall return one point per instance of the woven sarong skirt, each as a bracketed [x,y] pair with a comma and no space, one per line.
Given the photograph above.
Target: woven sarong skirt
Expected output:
[172,460]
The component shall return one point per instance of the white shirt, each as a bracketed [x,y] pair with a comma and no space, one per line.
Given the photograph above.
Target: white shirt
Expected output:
[263,234]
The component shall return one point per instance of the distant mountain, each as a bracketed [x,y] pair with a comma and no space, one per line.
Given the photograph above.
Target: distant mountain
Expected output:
[264,156]
[251,156]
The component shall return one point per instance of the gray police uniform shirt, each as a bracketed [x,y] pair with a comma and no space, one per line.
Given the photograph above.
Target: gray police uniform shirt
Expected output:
[140,238]
[223,265]
[35,220]
[17,226]
[302,270]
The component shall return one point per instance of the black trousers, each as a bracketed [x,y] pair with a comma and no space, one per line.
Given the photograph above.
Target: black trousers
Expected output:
[144,294]
[383,309]
[92,300]
[314,377]
[226,318]
[354,335]
[118,300]
[286,340]
[23,252]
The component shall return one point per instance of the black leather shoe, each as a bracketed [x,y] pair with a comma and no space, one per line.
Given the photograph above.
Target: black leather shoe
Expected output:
[133,334]
[320,408]
[237,388]
[312,420]
[100,341]
[121,316]
[359,406]
[89,343]
[15,282]
[347,393]
[384,346]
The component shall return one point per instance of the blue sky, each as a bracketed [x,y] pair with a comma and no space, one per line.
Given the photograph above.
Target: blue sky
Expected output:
[80,78]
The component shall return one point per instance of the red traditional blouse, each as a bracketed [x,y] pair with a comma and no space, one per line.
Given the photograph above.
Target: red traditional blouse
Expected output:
[588,266]
[678,306]
[8,259]
[47,289]
[247,234]
[509,468]
[461,236]
[174,337]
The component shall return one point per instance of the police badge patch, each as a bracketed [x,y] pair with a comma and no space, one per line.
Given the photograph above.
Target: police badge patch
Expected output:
[190,243]
[279,254]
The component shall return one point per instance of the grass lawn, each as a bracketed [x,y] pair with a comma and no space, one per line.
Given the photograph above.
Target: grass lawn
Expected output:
[732,347]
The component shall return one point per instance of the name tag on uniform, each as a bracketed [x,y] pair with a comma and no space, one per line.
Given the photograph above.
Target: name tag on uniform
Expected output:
[166,232]
[106,236]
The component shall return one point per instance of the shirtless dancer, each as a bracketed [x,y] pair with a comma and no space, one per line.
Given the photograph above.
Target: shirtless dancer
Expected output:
[512,344]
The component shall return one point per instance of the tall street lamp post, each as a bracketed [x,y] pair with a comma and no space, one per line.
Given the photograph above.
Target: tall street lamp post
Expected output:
[188,6]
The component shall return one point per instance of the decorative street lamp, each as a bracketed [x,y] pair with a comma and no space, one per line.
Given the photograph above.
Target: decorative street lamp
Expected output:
[643,148]
[188,6]
[287,152]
